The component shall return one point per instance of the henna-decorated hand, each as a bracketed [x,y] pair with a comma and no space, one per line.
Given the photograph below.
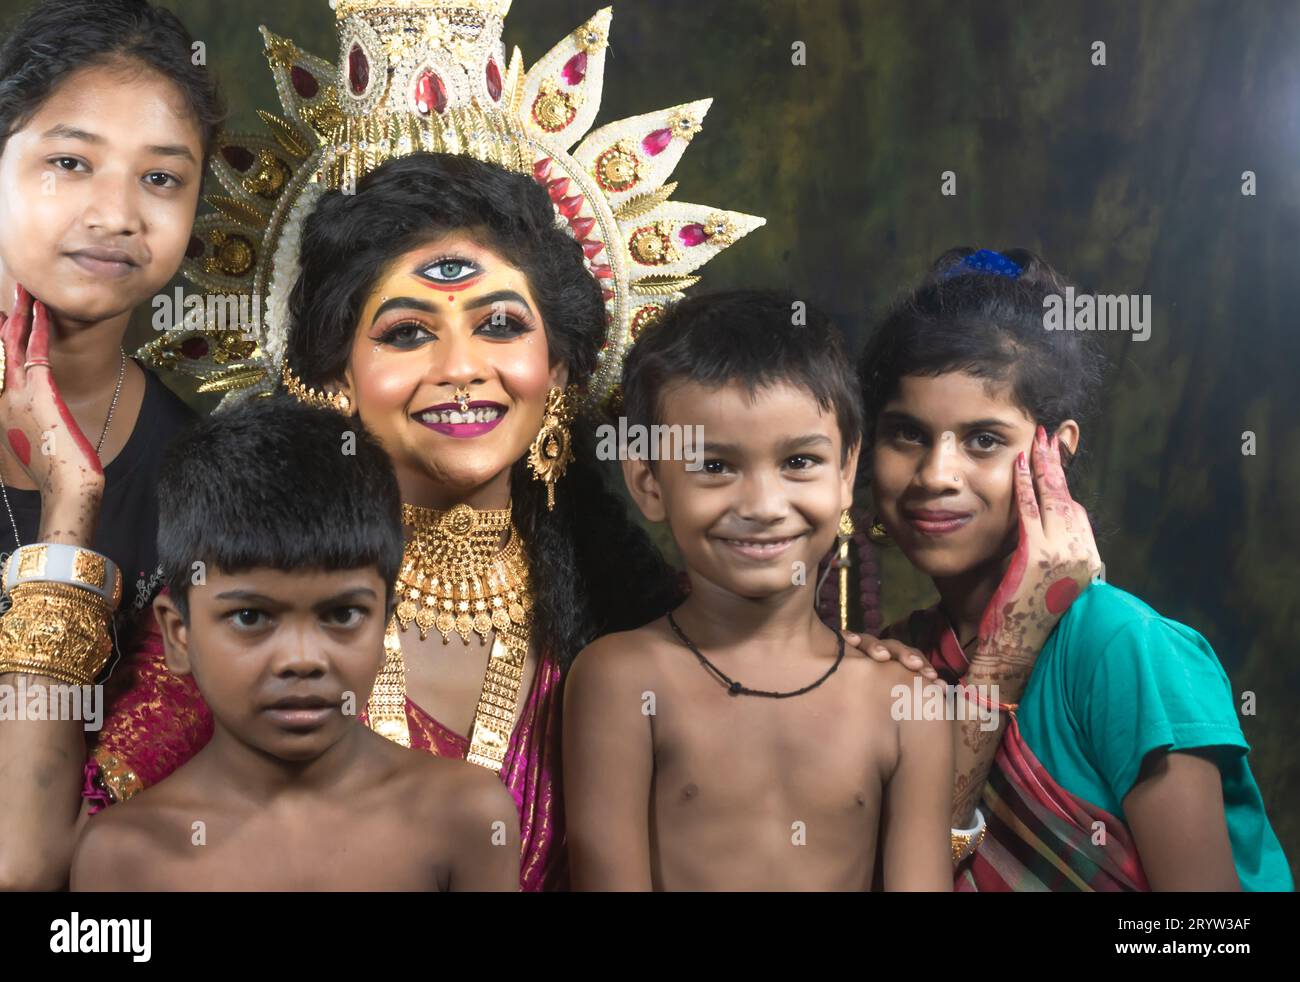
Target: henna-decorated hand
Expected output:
[1054,561]
[887,649]
[41,431]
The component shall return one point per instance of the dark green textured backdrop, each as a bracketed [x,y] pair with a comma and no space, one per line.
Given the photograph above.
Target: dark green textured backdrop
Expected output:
[1127,176]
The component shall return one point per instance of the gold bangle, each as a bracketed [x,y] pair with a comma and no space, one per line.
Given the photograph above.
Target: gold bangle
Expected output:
[56,630]
[962,843]
[54,562]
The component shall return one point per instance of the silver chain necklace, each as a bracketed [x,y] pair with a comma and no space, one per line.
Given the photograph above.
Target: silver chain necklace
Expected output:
[117,390]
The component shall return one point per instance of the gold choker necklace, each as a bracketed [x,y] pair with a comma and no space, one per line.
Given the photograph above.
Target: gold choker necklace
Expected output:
[456,575]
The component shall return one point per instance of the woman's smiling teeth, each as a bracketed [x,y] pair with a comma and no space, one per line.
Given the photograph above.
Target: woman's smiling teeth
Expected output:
[452,417]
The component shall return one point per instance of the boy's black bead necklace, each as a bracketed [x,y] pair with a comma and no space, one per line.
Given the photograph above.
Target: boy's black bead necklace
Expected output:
[734,688]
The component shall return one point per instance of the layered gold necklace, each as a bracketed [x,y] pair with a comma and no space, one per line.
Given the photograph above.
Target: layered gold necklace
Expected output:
[457,575]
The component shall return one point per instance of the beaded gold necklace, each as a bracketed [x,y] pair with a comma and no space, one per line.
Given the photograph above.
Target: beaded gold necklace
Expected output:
[457,576]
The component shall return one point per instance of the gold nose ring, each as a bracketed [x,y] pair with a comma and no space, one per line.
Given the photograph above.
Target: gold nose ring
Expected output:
[462,397]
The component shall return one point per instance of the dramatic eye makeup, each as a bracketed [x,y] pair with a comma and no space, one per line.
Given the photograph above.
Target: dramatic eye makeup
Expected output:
[448,273]
[408,331]
[507,314]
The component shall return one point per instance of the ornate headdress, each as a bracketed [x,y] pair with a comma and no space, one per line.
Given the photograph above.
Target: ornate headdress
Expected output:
[431,75]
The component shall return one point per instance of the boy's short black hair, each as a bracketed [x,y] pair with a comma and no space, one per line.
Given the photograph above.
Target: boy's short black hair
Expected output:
[275,484]
[755,337]
[58,37]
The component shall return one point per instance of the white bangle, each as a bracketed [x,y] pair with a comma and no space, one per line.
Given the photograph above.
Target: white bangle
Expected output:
[56,562]
[966,841]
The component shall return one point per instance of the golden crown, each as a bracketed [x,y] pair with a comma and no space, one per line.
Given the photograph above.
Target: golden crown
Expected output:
[432,75]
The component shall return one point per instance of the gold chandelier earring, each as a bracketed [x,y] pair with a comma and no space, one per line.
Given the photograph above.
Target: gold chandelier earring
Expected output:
[843,537]
[552,451]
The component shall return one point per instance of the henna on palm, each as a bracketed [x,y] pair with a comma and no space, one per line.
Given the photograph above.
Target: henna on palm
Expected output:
[71,481]
[1040,583]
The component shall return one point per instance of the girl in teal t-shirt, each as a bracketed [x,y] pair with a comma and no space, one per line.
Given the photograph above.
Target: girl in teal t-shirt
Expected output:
[1128,717]
[1115,684]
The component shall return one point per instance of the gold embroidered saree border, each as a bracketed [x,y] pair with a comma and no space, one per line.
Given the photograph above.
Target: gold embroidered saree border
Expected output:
[117,777]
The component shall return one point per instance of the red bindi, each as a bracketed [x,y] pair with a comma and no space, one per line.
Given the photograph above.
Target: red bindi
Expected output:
[1061,594]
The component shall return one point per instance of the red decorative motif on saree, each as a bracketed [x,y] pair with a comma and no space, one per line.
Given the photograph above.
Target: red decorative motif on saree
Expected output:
[157,720]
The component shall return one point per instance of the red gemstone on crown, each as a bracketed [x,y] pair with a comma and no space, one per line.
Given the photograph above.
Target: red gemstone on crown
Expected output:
[575,69]
[657,142]
[591,248]
[238,157]
[430,94]
[570,207]
[494,80]
[608,295]
[304,82]
[582,226]
[602,272]
[693,235]
[558,189]
[542,169]
[194,347]
[358,70]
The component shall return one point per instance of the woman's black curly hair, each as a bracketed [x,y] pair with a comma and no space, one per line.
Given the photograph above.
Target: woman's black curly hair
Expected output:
[595,570]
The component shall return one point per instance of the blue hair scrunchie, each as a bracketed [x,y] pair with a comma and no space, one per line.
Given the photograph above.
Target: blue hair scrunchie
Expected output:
[984,261]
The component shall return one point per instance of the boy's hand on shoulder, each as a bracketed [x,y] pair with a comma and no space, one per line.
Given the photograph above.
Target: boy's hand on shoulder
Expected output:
[890,649]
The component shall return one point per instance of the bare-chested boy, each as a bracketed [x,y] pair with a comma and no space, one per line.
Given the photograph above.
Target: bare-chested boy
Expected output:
[736,744]
[298,542]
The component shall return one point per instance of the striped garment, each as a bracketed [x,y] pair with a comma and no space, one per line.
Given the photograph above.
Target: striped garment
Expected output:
[1040,837]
